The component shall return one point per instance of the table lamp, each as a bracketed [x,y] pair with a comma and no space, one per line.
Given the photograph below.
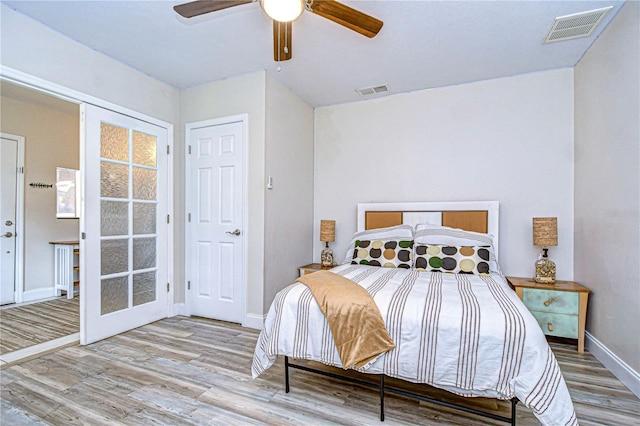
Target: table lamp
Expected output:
[327,235]
[545,234]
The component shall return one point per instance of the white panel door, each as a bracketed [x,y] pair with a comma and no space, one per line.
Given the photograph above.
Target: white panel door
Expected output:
[216,237]
[124,264]
[8,188]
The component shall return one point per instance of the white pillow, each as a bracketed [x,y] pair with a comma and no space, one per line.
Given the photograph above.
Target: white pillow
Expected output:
[436,234]
[398,232]
[443,235]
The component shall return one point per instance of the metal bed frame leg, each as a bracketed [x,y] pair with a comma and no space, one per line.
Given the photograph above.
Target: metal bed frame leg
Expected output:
[382,397]
[286,374]
[514,401]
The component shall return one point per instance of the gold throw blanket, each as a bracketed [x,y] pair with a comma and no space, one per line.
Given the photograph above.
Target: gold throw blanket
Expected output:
[358,329]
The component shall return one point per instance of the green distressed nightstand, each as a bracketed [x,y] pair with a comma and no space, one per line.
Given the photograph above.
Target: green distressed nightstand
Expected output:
[560,308]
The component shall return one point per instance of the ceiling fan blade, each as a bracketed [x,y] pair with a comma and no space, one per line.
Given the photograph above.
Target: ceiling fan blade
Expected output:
[281,41]
[347,17]
[200,7]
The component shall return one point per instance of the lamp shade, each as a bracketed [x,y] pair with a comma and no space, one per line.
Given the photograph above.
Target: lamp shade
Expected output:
[545,231]
[283,10]
[327,231]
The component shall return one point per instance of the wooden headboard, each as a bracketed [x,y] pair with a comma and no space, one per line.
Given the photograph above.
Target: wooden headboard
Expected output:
[477,216]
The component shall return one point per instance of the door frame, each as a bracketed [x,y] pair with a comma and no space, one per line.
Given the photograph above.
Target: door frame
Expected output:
[18,279]
[244,119]
[74,96]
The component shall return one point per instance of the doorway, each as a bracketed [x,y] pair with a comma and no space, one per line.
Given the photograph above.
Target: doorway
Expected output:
[11,205]
[49,138]
[91,203]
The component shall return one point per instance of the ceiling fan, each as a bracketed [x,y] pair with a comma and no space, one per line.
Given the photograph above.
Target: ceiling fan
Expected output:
[284,13]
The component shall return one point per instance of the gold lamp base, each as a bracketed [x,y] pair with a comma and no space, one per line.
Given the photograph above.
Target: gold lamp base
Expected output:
[545,269]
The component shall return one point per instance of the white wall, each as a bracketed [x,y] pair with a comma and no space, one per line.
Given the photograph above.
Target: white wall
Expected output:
[52,139]
[35,49]
[607,185]
[238,95]
[289,205]
[508,139]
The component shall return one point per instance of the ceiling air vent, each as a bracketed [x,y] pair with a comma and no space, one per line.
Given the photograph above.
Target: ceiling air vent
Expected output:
[576,25]
[366,91]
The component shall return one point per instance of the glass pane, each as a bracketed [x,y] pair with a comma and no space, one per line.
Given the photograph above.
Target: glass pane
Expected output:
[144,184]
[144,288]
[144,149]
[144,253]
[114,294]
[114,180]
[144,218]
[114,218]
[114,256]
[114,142]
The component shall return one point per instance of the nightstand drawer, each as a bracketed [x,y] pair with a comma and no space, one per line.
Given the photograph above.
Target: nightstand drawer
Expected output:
[559,325]
[560,302]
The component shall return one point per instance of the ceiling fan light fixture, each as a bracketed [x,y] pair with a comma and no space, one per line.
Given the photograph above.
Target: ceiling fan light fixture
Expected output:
[283,10]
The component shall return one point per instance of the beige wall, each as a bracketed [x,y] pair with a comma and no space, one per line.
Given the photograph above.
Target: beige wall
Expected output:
[607,184]
[52,139]
[289,205]
[508,139]
[239,95]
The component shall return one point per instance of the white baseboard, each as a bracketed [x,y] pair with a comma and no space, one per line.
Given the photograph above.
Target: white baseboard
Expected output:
[627,375]
[254,321]
[39,349]
[179,309]
[38,293]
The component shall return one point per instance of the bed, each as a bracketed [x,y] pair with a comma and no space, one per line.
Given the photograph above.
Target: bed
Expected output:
[456,325]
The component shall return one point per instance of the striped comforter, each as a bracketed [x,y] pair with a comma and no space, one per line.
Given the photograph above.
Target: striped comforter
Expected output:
[467,334]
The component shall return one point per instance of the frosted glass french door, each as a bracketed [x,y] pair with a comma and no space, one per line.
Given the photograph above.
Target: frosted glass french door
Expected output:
[124,273]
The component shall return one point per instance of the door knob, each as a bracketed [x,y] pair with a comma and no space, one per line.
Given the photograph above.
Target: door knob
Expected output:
[236,232]
[8,235]
[8,223]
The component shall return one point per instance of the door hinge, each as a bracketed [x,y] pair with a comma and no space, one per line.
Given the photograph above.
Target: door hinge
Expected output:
[168,219]
[20,170]
[189,149]
[168,150]
[84,236]
[167,287]
[188,285]
[189,217]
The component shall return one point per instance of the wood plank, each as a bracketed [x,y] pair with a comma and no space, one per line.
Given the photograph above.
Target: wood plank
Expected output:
[197,371]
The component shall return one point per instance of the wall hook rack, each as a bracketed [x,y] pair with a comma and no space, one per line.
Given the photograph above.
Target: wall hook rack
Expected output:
[40,185]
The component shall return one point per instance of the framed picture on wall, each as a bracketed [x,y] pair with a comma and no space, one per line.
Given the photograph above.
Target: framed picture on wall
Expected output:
[67,193]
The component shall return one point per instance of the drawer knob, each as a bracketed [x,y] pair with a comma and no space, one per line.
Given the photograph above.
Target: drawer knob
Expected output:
[548,302]
[550,326]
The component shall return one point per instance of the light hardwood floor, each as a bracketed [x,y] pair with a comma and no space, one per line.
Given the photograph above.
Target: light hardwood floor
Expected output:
[197,371]
[27,325]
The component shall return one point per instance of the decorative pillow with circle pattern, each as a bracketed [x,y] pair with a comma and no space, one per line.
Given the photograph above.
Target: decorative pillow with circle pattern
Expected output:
[386,253]
[453,259]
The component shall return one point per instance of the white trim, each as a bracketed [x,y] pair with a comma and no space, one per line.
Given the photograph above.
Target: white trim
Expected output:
[492,207]
[19,218]
[627,375]
[38,294]
[39,349]
[172,224]
[254,321]
[179,309]
[244,119]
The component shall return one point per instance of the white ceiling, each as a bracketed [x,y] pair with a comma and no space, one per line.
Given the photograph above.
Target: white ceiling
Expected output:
[423,44]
